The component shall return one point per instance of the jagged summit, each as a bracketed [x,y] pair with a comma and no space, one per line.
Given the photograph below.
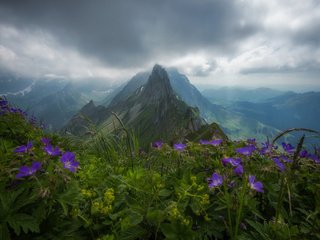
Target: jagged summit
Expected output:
[152,110]
[158,85]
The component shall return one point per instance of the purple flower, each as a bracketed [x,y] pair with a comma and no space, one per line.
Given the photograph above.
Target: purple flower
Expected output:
[233,161]
[216,142]
[52,151]
[238,170]
[267,148]
[279,164]
[25,171]
[257,186]
[24,148]
[45,141]
[16,110]
[232,184]
[179,146]
[204,142]
[304,154]
[33,120]
[215,180]
[69,162]
[315,158]
[157,144]
[288,148]
[3,103]
[246,151]
[286,159]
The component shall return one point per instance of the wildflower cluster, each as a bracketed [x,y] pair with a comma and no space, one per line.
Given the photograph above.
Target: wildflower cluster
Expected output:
[174,214]
[88,193]
[103,206]
[6,108]
[216,180]
[179,146]
[25,171]
[218,190]
[66,158]
[215,142]
[157,144]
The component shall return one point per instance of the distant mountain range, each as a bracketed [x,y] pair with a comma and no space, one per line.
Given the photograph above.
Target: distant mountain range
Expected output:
[286,111]
[228,95]
[152,109]
[241,113]
[53,101]
[13,84]
[235,124]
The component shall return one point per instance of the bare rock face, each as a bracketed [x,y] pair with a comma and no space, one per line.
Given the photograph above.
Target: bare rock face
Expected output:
[158,86]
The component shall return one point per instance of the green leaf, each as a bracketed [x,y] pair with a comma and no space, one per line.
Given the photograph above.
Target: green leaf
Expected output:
[69,196]
[155,217]
[176,231]
[164,193]
[4,232]
[133,233]
[40,212]
[135,218]
[24,221]
[260,228]
[64,206]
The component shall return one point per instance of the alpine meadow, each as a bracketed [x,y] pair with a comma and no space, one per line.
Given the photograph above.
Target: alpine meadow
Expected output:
[183,119]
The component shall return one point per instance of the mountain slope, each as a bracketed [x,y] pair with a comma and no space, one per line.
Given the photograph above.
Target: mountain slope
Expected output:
[285,111]
[122,94]
[56,109]
[190,94]
[13,84]
[37,91]
[153,111]
[234,123]
[156,112]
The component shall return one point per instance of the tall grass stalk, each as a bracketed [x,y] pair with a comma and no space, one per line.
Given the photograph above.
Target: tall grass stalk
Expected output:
[239,211]
[228,201]
[129,137]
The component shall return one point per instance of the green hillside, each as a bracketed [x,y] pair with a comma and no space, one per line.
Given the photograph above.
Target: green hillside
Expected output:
[105,187]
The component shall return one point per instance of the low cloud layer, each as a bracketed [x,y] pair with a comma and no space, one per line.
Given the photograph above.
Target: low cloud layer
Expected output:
[211,41]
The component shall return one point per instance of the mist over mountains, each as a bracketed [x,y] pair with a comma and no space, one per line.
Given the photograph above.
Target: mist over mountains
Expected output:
[241,113]
[228,95]
[53,101]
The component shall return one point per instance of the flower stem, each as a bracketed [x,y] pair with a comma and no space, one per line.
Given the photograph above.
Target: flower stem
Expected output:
[280,199]
[239,212]
[227,196]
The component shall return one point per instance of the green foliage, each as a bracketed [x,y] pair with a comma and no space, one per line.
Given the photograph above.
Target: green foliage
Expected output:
[37,204]
[12,204]
[119,192]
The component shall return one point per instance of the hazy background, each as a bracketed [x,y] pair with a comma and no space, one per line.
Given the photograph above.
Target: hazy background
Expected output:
[250,43]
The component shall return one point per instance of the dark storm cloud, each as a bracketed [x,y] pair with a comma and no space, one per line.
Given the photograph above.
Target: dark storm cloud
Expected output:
[127,33]
[208,39]
[309,35]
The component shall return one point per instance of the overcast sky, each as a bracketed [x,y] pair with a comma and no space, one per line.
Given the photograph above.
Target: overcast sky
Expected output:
[218,42]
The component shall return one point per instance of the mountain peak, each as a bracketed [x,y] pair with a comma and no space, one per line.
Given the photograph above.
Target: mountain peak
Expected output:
[158,85]
[158,68]
[159,74]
